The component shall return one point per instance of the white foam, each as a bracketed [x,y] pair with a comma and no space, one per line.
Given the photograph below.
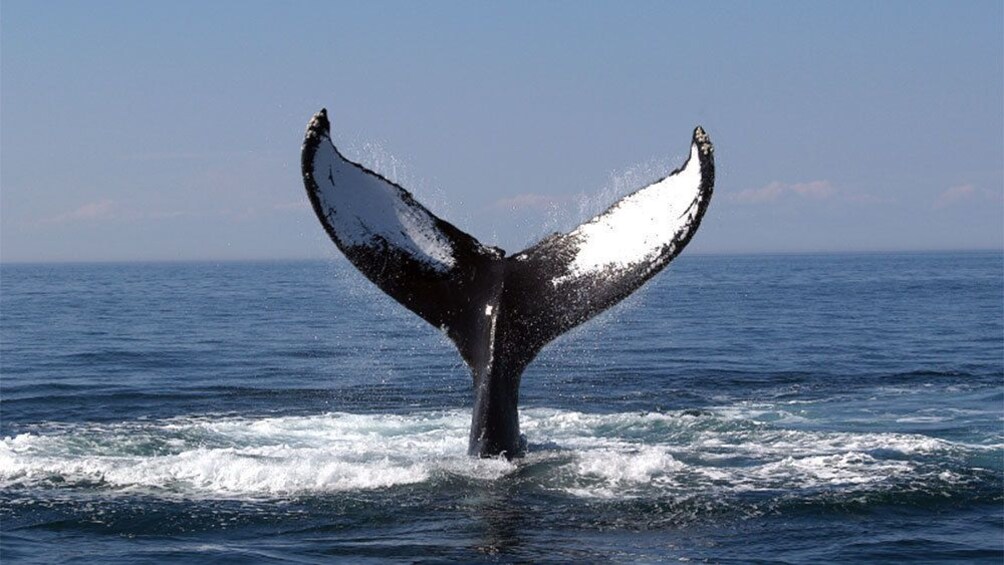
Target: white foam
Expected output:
[270,456]
[590,455]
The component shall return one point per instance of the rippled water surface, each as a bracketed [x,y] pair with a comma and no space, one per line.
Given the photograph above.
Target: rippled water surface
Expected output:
[792,408]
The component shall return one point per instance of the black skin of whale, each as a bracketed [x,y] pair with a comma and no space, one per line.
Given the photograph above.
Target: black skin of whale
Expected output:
[499,310]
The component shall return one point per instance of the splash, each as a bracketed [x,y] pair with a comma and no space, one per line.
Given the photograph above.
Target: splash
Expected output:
[619,456]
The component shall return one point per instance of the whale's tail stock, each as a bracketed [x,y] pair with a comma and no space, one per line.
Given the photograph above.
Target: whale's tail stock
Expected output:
[501,310]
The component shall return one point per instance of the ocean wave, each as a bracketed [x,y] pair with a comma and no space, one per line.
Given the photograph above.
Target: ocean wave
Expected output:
[681,454]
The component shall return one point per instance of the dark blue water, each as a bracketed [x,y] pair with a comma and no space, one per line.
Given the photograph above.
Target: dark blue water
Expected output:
[835,408]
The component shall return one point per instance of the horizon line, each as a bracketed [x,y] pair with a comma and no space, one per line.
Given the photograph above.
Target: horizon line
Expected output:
[341,258]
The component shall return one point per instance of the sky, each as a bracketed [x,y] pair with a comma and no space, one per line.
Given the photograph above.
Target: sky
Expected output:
[171,130]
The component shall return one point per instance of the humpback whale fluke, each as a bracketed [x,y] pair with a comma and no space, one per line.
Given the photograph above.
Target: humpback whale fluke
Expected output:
[498,310]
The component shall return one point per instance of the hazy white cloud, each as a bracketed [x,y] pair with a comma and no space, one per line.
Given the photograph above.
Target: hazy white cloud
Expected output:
[817,189]
[92,211]
[958,194]
[110,211]
[954,195]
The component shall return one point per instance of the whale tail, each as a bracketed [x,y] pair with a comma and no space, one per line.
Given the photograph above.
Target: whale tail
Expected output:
[501,310]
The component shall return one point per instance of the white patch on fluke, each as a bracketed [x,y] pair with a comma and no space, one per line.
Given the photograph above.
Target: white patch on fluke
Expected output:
[637,228]
[363,209]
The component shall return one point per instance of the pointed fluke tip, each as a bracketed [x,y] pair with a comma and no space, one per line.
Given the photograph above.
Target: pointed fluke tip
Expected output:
[319,125]
[703,142]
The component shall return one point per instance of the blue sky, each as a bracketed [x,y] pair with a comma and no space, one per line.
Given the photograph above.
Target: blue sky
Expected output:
[171,130]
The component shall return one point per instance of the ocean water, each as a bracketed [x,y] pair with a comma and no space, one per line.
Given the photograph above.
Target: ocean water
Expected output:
[789,408]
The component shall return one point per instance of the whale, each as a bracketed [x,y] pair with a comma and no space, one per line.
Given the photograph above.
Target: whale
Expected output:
[498,309]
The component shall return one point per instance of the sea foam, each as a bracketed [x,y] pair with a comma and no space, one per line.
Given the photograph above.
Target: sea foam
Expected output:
[621,455]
